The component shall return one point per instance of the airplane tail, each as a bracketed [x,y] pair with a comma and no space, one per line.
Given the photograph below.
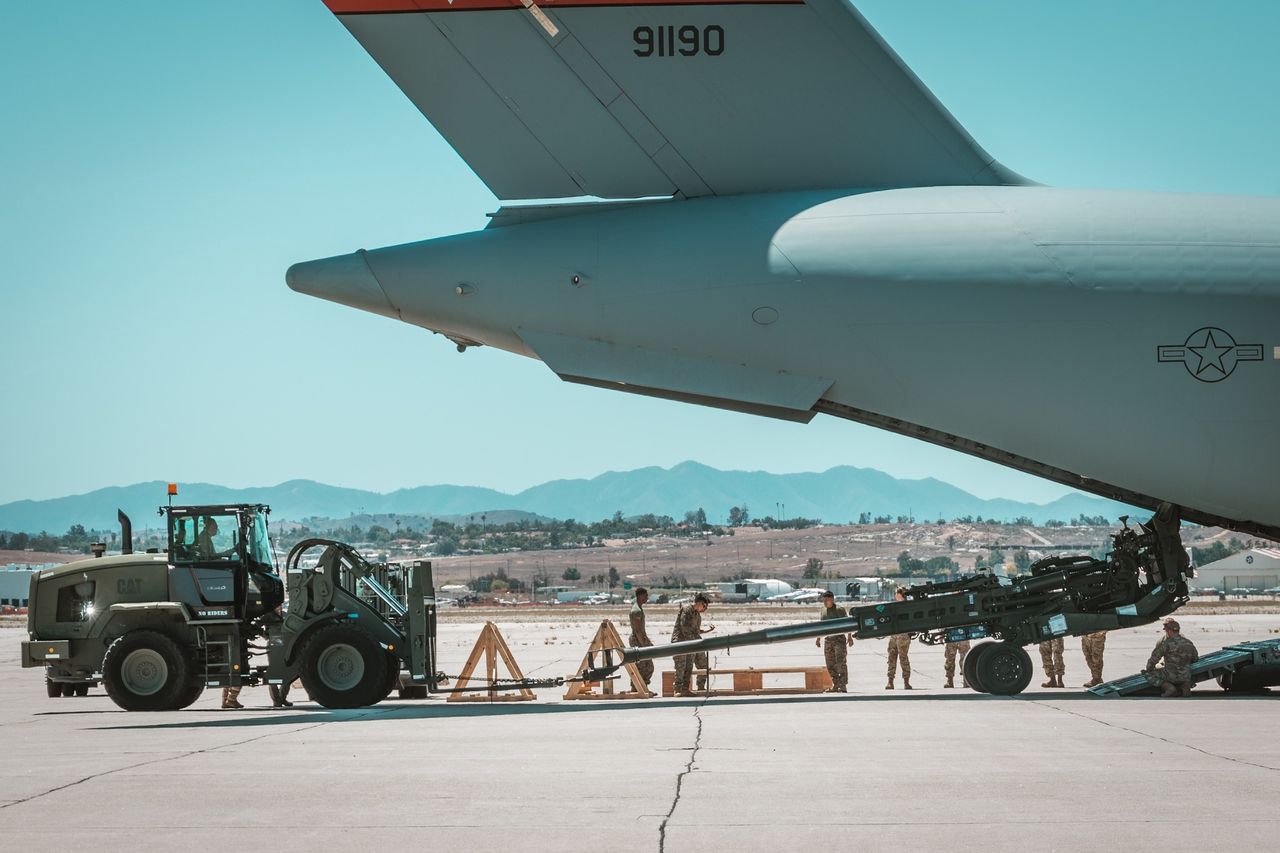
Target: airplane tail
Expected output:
[638,98]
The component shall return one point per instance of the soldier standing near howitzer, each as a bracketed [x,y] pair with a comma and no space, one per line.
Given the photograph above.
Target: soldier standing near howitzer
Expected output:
[900,648]
[835,648]
[689,627]
[1093,646]
[1051,659]
[639,636]
[1178,653]
[953,650]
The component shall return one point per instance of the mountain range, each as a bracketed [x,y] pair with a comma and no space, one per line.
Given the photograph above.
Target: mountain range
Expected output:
[836,495]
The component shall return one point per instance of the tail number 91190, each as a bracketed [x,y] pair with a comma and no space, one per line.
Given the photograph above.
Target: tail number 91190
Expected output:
[683,41]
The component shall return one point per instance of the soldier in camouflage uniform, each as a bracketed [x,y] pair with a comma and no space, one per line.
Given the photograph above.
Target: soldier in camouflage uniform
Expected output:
[1051,659]
[900,649]
[231,698]
[835,648]
[949,662]
[1178,653]
[1093,646]
[639,636]
[689,627]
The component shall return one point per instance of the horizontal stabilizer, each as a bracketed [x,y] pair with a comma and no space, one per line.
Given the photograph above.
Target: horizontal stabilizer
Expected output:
[620,99]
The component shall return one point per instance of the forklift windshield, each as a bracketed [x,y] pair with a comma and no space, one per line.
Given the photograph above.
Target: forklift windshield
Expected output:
[205,538]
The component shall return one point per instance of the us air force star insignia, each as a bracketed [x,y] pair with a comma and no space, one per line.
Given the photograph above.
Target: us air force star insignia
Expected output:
[1210,354]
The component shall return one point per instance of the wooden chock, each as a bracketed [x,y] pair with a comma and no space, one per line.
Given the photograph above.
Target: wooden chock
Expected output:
[605,649]
[491,646]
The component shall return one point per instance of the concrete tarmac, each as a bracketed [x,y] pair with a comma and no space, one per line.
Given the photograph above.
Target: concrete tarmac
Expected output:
[930,769]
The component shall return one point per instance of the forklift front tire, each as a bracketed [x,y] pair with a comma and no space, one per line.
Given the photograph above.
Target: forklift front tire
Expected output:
[343,666]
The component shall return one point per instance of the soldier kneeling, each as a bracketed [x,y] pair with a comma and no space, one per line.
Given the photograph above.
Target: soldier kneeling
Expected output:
[1178,653]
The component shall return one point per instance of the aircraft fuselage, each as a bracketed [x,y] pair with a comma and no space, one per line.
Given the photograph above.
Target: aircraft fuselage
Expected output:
[1125,342]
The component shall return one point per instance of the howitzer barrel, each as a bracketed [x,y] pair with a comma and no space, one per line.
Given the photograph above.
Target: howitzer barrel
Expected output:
[803,631]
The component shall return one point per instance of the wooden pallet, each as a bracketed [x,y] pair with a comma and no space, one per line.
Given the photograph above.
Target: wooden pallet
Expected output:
[491,646]
[750,682]
[603,651]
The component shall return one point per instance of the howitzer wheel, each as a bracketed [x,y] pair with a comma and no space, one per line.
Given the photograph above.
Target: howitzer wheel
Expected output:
[343,666]
[1004,669]
[970,668]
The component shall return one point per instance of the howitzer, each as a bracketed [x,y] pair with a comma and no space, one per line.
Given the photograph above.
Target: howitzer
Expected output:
[1141,579]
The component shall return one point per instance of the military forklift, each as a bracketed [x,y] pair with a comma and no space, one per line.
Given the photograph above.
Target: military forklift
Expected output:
[156,629]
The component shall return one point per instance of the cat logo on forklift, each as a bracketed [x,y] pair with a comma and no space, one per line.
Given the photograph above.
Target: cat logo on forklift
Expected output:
[127,586]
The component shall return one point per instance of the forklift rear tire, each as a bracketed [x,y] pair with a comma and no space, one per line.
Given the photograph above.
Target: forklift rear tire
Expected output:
[192,689]
[68,689]
[1004,669]
[970,668]
[82,690]
[145,671]
[393,674]
[53,688]
[343,666]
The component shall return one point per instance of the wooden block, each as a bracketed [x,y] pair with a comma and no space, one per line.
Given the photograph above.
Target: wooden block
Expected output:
[669,683]
[749,680]
[817,679]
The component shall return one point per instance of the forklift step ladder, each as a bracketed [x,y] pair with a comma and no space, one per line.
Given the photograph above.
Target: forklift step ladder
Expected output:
[1244,666]
[217,673]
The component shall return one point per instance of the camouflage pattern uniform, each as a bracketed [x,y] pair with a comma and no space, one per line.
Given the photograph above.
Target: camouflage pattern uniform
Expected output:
[1051,659]
[1093,646]
[640,637]
[1178,653]
[899,649]
[689,627]
[835,649]
[949,662]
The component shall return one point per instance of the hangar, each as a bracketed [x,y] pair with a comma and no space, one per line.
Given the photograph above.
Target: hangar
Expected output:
[1256,569]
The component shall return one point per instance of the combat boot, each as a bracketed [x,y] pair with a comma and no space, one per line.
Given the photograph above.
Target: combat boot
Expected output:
[1049,683]
[1169,689]
[906,682]
[1186,688]
[950,683]
[889,686]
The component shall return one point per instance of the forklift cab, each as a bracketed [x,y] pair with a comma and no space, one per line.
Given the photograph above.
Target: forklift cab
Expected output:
[220,560]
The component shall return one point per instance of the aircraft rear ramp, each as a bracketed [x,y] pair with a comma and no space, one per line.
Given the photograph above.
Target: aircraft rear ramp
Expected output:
[1244,666]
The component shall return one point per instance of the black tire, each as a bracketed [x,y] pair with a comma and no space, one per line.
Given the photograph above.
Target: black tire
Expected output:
[393,675]
[1005,669]
[68,689]
[343,666]
[970,668]
[416,691]
[145,671]
[194,687]
[82,690]
[53,688]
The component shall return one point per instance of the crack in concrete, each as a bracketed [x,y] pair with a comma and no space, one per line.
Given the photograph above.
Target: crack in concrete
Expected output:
[1191,747]
[178,757]
[688,768]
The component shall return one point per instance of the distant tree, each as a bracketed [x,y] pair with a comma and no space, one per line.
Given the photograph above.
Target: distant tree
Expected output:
[812,569]
[614,577]
[4,542]
[864,518]
[571,574]
[951,543]
[997,557]
[1022,560]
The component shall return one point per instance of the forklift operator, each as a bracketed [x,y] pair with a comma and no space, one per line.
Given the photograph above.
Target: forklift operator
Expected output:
[205,548]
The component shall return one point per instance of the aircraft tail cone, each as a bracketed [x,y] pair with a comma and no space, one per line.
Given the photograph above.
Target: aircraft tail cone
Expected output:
[346,279]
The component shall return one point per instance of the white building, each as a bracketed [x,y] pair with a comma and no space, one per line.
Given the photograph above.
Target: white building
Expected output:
[751,589]
[15,584]
[1256,569]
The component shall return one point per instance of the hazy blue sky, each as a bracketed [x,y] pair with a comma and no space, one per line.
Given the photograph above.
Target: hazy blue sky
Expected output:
[164,163]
